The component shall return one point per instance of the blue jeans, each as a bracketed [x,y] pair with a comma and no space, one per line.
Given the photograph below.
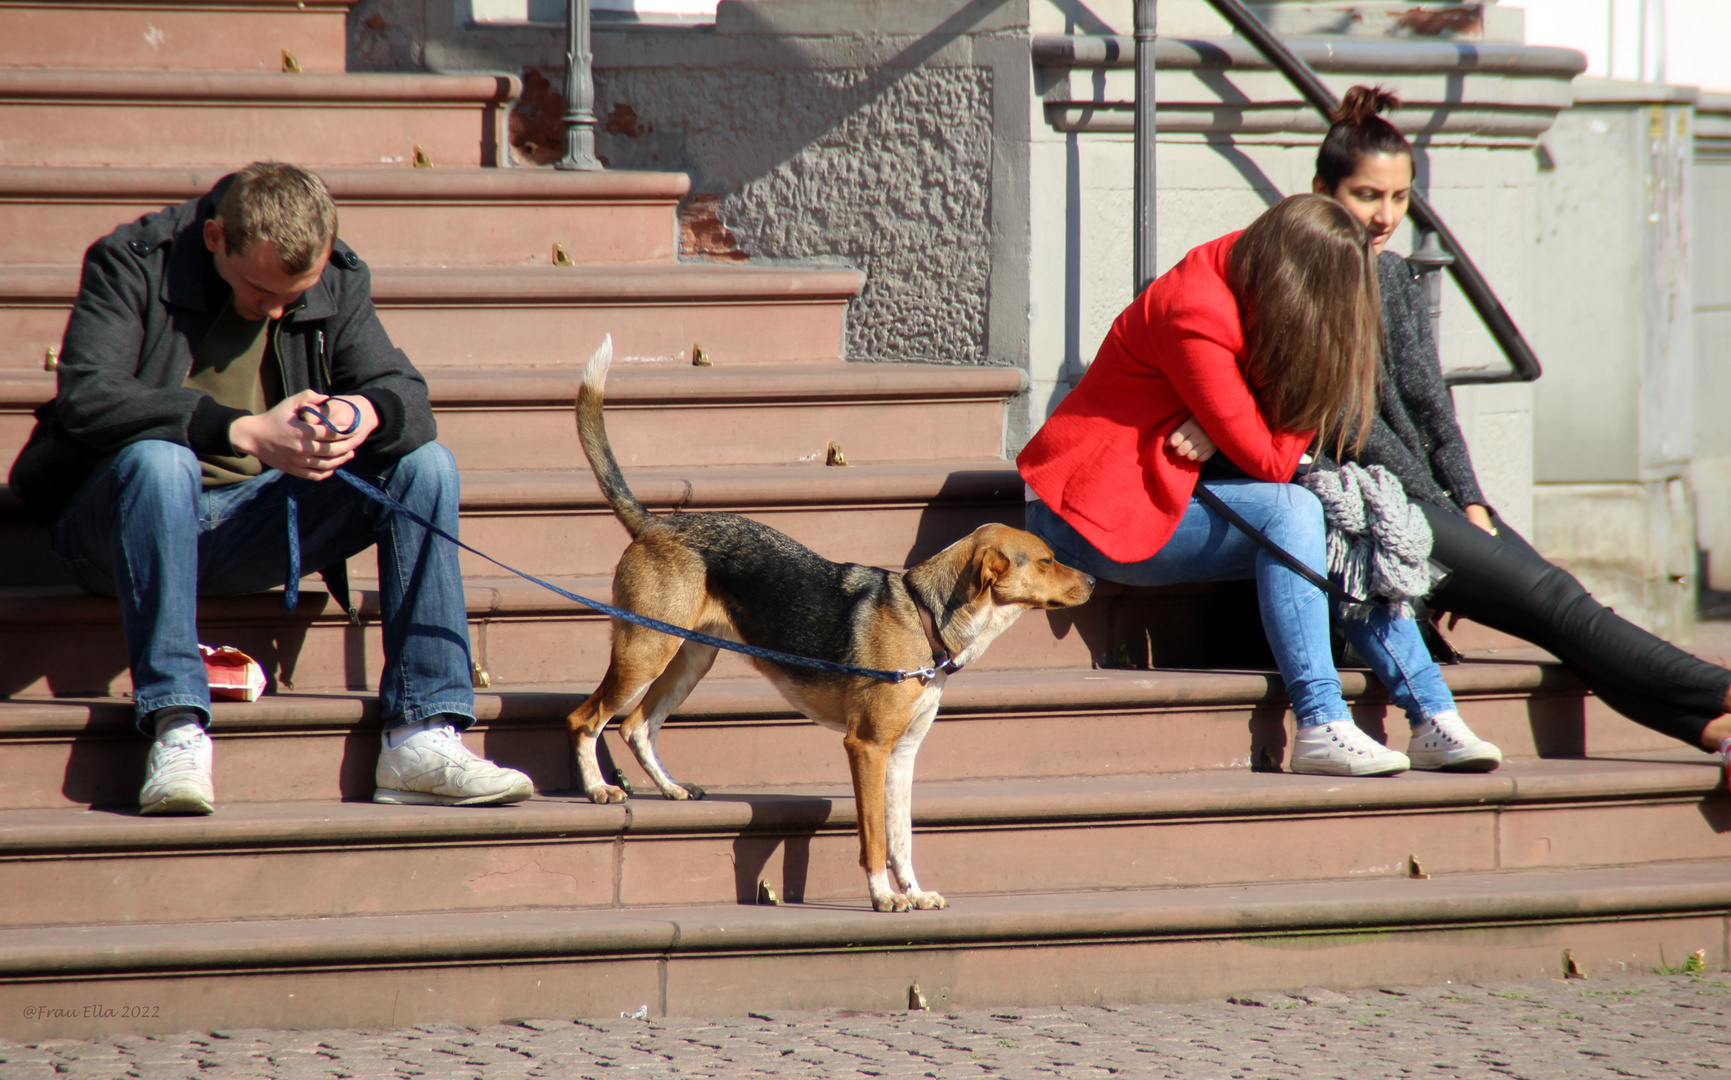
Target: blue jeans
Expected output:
[1295,613]
[143,529]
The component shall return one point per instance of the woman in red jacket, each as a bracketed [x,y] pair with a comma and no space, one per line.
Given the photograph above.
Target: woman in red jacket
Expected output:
[1269,341]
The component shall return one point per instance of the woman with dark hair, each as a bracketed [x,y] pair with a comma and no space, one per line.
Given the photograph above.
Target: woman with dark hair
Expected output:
[1267,341]
[1497,578]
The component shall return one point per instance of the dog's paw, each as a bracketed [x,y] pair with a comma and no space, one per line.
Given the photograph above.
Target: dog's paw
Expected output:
[607,793]
[688,791]
[890,902]
[926,901]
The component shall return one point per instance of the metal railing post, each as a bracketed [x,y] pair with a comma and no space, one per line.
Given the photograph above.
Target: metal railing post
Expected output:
[1429,258]
[1146,209]
[579,115]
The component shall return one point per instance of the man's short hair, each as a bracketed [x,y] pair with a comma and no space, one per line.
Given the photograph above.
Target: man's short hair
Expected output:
[281,203]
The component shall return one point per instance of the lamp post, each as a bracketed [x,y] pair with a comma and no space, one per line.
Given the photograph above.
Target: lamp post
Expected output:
[579,115]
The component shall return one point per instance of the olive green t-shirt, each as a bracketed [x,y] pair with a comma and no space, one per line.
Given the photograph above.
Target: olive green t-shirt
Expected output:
[234,365]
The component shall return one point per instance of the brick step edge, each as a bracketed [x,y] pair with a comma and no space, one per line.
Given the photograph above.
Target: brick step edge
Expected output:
[1166,797]
[1077,690]
[526,287]
[742,488]
[648,384]
[120,87]
[1239,911]
[351,185]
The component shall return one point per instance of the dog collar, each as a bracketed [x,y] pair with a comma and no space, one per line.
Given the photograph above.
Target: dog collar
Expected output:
[942,661]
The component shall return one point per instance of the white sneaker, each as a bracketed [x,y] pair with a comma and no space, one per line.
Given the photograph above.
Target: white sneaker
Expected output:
[1339,748]
[177,774]
[1445,742]
[433,767]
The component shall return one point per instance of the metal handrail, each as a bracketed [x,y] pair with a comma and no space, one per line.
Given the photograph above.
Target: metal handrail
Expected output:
[1524,362]
[579,118]
[1146,222]
[1394,56]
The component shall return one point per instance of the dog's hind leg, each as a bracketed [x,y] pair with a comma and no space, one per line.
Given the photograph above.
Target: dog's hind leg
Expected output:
[639,658]
[898,810]
[665,694]
[660,578]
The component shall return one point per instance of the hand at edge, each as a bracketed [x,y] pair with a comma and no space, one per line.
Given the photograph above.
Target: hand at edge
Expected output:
[1190,441]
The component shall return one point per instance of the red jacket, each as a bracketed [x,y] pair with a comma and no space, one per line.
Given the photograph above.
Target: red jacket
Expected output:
[1101,461]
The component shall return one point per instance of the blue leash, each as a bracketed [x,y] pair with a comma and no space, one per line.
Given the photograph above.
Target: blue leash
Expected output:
[291,590]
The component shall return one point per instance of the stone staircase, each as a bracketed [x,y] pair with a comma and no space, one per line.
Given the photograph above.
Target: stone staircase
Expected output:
[1105,832]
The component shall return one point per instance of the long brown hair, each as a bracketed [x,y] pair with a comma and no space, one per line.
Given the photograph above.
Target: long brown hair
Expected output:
[1305,280]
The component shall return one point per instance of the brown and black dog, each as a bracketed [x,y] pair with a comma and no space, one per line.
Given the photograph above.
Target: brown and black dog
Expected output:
[734,578]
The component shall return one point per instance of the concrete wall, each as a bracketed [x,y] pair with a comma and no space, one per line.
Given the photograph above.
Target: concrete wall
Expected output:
[1684,40]
[790,185]
[1615,412]
[865,134]
[1232,142]
[1711,247]
[987,197]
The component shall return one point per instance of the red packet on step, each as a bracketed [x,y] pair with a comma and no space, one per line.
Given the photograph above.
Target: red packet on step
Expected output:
[233,675]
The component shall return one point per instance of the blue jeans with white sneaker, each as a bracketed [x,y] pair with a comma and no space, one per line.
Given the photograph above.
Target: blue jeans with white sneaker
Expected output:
[142,528]
[1295,613]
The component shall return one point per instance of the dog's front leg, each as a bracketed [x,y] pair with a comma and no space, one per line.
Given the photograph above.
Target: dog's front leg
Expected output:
[898,809]
[868,760]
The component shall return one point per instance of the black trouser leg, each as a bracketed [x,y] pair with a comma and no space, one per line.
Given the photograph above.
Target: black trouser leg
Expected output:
[1502,582]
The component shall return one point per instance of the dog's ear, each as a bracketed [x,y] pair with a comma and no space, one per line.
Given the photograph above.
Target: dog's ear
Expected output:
[990,564]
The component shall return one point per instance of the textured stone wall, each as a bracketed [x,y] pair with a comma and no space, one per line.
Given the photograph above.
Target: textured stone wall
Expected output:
[387,35]
[794,159]
[885,170]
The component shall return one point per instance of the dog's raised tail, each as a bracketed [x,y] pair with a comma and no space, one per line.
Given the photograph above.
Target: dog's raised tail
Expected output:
[592,433]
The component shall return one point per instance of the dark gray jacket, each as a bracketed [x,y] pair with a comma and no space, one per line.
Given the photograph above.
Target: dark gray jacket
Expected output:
[148,293]
[1415,435]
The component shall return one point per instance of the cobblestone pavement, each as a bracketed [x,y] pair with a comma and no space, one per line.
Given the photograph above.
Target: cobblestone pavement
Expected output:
[1671,1027]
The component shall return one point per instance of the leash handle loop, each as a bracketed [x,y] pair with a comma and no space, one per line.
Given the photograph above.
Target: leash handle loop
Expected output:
[325,418]
[291,593]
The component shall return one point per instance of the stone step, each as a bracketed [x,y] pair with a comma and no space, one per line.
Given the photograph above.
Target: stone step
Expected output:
[182,35]
[668,415]
[739,733]
[215,119]
[59,641]
[974,838]
[675,416]
[496,315]
[1016,949]
[892,513]
[392,216]
[554,522]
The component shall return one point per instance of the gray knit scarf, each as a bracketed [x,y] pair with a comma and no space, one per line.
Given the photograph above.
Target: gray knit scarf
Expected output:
[1378,542]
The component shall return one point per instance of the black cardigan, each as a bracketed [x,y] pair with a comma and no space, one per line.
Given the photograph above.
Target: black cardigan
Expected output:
[1415,435]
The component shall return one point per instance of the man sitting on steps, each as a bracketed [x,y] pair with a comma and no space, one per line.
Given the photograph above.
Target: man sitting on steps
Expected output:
[167,461]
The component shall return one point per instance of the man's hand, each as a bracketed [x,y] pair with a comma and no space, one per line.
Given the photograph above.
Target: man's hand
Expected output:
[1190,441]
[302,445]
[1481,516]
